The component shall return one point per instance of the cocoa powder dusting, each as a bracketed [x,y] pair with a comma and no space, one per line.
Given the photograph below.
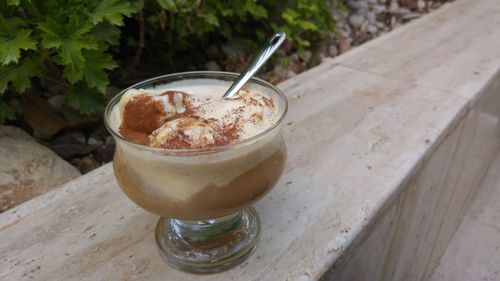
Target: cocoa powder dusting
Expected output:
[178,141]
[143,115]
[135,136]
[231,132]
[268,101]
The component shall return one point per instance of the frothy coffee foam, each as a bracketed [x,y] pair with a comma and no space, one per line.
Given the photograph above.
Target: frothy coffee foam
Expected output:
[192,117]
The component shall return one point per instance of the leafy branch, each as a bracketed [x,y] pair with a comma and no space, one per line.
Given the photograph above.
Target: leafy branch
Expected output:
[70,40]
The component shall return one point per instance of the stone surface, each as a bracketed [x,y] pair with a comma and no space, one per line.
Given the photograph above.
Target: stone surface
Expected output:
[474,251]
[413,233]
[417,57]
[27,168]
[370,159]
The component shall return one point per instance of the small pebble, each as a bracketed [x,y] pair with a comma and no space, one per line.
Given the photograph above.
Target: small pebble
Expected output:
[356,20]
[411,16]
[333,50]
[212,66]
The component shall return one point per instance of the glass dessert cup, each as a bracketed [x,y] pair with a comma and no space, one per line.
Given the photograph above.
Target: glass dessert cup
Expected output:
[202,195]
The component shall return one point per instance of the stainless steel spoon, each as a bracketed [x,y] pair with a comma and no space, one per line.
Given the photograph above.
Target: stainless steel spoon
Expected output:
[257,62]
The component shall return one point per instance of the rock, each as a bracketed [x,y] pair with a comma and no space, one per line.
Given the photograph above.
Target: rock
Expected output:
[371,17]
[28,168]
[104,153]
[41,116]
[344,44]
[393,21]
[233,48]
[414,4]
[393,7]
[58,101]
[306,56]
[357,5]
[421,5]
[411,16]
[403,11]
[333,50]
[78,136]
[213,52]
[372,29]
[435,5]
[70,145]
[296,66]
[86,164]
[316,59]
[94,141]
[378,9]
[212,66]
[322,48]
[356,20]
[364,26]
[279,74]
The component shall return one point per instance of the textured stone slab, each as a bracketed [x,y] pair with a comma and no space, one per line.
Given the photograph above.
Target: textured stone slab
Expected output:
[474,251]
[408,238]
[453,49]
[98,233]
[27,168]
[362,146]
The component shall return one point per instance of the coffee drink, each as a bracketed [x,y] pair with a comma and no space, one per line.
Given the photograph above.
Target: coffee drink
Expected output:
[191,154]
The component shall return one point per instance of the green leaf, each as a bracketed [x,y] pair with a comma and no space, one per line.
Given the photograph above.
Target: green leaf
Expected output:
[289,15]
[307,25]
[211,19]
[9,27]
[13,2]
[69,39]
[85,99]
[6,113]
[303,43]
[257,11]
[111,11]
[19,74]
[105,32]
[13,44]
[168,5]
[94,71]
[341,7]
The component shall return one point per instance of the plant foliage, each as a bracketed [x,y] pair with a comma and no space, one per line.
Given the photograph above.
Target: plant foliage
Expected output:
[59,41]
[74,45]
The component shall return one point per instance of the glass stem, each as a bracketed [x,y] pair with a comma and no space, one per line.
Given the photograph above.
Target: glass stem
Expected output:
[204,230]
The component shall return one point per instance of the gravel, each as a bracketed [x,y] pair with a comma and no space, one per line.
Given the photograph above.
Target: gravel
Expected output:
[367,19]
[364,20]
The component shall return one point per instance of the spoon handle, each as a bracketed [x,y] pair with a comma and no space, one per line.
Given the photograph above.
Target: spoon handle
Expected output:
[257,62]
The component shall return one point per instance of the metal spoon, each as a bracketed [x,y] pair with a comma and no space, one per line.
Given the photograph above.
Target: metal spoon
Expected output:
[257,62]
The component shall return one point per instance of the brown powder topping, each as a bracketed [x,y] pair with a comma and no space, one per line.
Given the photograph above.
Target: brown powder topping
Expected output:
[144,120]
[186,132]
[141,115]
[268,101]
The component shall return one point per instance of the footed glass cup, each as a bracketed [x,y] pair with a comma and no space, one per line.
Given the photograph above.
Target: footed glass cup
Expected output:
[203,196]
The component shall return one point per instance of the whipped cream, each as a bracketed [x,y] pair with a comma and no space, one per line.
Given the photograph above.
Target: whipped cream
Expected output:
[176,119]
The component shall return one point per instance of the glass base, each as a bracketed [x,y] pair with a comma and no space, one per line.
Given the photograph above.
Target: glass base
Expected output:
[206,246]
